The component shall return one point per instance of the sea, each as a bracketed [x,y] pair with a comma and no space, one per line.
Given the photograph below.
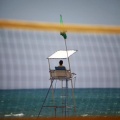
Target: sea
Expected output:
[44,103]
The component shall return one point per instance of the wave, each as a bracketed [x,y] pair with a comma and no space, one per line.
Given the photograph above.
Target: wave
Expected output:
[62,96]
[15,115]
[84,115]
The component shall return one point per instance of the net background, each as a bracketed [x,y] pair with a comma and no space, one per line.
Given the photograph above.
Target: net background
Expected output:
[23,62]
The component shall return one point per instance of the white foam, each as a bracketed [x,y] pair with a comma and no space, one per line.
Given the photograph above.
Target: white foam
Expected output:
[21,114]
[84,115]
[8,115]
[62,96]
[15,115]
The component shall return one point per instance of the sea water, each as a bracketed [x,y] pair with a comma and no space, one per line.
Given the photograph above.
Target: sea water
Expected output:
[88,102]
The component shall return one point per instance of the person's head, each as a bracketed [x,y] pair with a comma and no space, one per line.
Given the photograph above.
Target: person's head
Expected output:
[60,62]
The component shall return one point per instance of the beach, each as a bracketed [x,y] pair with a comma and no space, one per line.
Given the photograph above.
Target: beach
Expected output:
[68,118]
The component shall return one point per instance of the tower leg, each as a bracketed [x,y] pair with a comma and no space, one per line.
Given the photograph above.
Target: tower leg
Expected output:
[73,96]
[53,95]
[45,98]
[61,96]
[66,98]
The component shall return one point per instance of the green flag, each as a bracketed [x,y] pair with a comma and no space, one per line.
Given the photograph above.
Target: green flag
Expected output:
[62,33]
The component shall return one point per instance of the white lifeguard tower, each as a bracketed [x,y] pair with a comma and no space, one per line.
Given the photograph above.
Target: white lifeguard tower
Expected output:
[63,75]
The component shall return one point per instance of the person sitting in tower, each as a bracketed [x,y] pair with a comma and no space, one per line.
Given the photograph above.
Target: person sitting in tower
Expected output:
[61,65]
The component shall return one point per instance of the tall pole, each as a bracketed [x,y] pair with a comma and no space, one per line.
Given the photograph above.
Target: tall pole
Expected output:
[71,79]
[67,55]
[66,111]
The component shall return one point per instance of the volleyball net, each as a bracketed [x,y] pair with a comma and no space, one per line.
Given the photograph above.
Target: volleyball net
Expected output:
[24,47]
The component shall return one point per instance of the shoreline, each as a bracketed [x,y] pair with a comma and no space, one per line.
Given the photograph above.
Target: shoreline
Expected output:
[67,118]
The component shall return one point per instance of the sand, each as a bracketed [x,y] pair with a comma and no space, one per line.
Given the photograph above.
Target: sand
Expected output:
[69,118]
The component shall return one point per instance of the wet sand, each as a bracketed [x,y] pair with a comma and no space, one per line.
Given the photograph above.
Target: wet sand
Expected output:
[69,118]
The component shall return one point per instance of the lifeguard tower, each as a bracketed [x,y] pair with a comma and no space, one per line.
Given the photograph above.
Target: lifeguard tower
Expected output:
[63,75]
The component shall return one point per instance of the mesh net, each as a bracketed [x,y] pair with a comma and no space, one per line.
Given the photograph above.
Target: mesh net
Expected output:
[23,57]
[23,65]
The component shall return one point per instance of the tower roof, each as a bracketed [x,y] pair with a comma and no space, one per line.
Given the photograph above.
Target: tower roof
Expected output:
[62,54]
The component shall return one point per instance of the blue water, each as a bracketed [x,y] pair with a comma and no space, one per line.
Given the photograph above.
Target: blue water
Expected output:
[89,102]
